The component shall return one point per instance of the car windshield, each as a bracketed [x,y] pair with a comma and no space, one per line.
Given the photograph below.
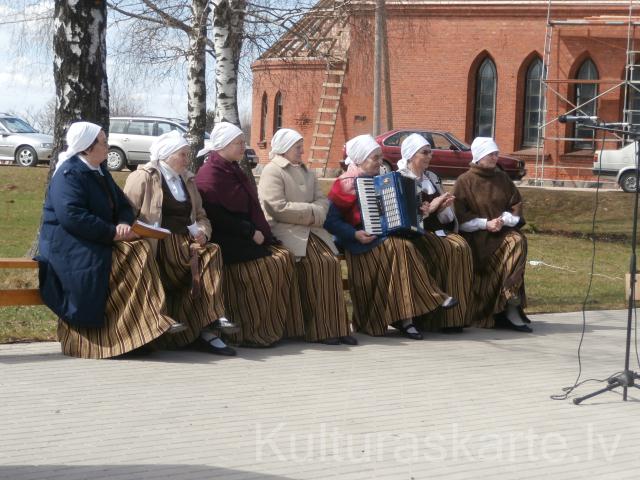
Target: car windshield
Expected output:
[458,142]
[15,125]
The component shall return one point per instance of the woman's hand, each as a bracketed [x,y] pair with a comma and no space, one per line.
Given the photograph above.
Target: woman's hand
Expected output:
[200,238]
[364,237]
[124,233]
[425,209]
[495,225]
[258,237]
[447,200]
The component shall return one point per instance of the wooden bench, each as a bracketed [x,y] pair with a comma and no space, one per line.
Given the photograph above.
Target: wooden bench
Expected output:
[31,296]
[19,296]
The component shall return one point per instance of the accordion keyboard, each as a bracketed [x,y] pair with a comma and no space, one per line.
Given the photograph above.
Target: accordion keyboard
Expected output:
[369,205]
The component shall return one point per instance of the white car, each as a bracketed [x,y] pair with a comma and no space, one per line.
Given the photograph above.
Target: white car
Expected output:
[619,163]
[21,143]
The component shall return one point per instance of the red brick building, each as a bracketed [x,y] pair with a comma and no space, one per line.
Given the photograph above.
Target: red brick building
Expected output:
[469,67]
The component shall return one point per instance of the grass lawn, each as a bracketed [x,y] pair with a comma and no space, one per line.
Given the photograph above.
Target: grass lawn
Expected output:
[564,217]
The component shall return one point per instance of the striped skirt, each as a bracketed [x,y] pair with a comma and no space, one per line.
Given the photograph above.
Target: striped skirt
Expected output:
[450,262]
[320,281]
[390,283]
[501,280]
[135,309]
[174,262]
[262,297]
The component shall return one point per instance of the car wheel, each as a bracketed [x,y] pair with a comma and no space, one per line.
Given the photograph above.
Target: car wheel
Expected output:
[26,157]
[628,182]
[385,168]
[115,159]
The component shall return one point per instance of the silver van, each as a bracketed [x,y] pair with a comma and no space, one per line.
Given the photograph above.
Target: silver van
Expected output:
[131,137]
[21,143]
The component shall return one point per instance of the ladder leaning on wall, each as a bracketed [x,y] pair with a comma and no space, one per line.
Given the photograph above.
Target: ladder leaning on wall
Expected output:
[327,116]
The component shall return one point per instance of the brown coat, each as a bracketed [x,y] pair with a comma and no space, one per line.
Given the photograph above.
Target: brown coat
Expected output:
[482,193]
[293,205]
[144,190]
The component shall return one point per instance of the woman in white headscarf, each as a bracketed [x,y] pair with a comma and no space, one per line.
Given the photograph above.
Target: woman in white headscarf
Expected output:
[162,192]
[489,208]
[448,254]
[296,209]
[103,285]
[260,286]
[388,278]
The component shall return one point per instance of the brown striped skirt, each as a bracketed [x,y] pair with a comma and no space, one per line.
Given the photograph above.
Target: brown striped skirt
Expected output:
[262,297]
[501,280]
[391,283]
[135,309]
[320,281]
[194,311]
[450,262]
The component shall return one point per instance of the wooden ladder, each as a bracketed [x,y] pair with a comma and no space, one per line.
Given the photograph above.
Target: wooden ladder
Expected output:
[327,116]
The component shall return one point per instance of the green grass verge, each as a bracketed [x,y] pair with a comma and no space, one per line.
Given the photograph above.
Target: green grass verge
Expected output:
[549,289]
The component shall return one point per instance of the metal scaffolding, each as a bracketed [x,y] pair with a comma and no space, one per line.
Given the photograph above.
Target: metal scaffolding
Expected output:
[631,82]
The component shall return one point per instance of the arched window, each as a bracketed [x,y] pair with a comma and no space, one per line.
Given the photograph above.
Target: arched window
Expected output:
[263,117]
[485,105]
[532,104]
[277,112]
[584,93]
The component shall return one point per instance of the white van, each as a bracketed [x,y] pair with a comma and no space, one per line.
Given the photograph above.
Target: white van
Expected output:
[619,163]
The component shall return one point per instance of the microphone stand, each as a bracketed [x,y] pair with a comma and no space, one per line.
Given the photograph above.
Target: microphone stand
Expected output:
[627,378]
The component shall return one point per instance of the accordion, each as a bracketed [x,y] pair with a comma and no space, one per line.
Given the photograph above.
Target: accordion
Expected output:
[389,204]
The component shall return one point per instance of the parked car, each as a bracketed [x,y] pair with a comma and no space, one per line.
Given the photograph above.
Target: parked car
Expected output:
[620,164]
[451,156]
[131,137]
[22,143]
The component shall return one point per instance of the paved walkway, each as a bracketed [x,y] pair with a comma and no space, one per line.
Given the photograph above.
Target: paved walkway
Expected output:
[470,406]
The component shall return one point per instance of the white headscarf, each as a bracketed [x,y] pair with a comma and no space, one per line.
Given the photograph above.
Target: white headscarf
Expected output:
[222,135]
[283,140]
[410,146]
[166,144]
[481,147]
[359,148]
[80,136]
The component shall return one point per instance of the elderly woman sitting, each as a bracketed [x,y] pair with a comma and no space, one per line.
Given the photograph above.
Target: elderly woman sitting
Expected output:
[388,279]
[104,287]
[163,193]
[448,254]
[296,209]
[260,286]
[489,208]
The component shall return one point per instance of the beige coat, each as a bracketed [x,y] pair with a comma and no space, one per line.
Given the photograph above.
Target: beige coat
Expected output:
[144,190]
[293,204]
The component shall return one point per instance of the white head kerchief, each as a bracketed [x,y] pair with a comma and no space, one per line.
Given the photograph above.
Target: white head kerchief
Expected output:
[80,136]
[221,136]
[410,146]
[166,144]
[359,148]
[481,147]
[283,140]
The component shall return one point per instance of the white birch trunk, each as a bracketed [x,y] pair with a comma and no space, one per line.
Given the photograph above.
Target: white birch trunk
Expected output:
[79,66]
[197,90]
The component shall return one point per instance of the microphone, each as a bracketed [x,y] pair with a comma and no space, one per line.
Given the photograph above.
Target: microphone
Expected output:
[577,118]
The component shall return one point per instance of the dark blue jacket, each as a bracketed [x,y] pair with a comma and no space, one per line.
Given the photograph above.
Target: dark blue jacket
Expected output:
[76,241]
[345,233]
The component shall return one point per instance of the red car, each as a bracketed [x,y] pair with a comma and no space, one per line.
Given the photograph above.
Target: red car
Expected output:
[451,156]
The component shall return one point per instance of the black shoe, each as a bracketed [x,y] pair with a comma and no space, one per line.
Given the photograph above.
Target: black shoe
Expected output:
[349,340]
[452,329]
[521,328]
[331,341]
[503,322]
[450,302]
[523,315]
[202,345]
[413,336]
[176,328]
[225,325]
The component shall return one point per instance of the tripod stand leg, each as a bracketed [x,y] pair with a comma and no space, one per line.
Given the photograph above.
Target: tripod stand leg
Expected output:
[608,388]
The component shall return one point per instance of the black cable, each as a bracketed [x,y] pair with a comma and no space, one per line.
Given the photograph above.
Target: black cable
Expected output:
[577,381]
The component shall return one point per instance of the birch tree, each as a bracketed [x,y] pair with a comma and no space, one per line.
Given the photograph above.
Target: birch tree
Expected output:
[79,66]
